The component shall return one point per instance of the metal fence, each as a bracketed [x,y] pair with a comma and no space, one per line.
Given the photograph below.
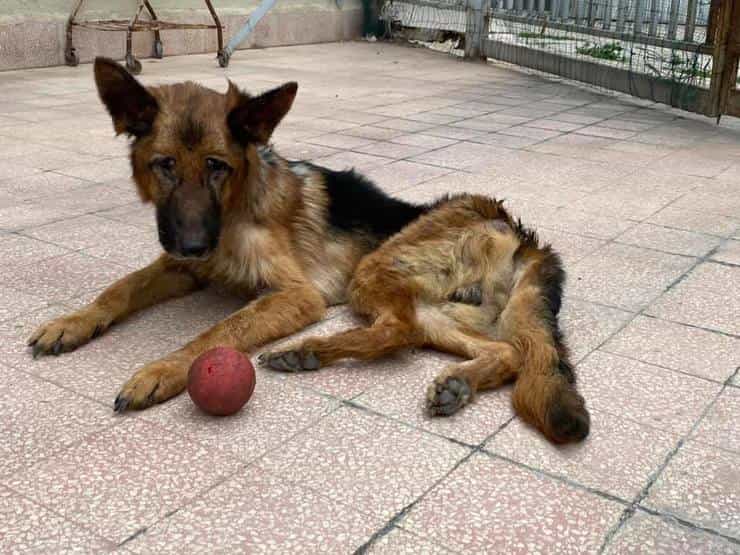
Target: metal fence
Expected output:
[678,52]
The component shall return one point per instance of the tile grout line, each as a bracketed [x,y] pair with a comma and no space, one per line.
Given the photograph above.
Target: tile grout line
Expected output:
[630,510]
[392,523]
[661,319]
[245,464]
[666,368]
[557,478]
[643,311]
[670,518]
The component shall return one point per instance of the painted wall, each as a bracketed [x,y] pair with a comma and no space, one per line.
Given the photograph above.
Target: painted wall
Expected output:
[32,32]
[45,9]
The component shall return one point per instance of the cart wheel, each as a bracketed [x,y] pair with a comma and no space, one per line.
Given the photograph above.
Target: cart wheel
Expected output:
[71,58]
[133,65]
[223,59]
[158,49]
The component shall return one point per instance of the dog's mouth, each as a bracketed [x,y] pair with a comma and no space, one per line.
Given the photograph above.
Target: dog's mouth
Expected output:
[190,258]
[184,250]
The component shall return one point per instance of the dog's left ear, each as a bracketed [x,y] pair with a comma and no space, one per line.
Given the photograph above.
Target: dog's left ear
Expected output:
[132,107]
[255,118]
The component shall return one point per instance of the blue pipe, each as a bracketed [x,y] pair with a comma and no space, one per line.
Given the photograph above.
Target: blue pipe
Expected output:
[244,32]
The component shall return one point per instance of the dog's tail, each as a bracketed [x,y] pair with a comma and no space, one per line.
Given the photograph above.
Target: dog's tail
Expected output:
[545,394]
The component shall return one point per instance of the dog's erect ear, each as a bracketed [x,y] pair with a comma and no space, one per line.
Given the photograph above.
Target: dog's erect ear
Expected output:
[255,118]
[131,106]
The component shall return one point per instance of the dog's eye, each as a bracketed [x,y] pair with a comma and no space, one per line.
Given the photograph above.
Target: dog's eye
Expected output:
[167,163]
[216,165]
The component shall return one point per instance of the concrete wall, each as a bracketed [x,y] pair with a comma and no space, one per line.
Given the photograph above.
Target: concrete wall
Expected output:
[32,32]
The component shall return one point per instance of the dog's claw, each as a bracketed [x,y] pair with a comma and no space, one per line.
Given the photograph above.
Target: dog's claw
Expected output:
[96,332]
[37,350]
[120,404]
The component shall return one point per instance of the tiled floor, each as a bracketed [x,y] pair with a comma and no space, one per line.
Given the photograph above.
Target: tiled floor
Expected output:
[642,201]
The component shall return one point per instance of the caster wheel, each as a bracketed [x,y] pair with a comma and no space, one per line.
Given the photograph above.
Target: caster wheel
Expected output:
[158,49]
[71,58]
[133,65]
[223,59]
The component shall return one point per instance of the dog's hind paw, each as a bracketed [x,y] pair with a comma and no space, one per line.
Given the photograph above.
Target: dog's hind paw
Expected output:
[290,361]
[447,396]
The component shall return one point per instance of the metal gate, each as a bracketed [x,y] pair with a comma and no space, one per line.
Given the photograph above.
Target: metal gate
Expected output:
[678,52]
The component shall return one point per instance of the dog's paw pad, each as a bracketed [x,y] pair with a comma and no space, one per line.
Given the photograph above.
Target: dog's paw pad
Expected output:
[290,361]
[447,396]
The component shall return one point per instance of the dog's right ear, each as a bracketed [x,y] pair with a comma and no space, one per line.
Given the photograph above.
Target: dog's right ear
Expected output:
[131,106]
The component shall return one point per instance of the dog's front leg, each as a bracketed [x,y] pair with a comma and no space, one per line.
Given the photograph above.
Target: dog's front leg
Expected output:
[266,319]
[162,280]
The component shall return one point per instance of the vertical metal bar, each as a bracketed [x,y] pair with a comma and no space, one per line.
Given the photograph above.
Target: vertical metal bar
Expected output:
[474,23]
[592,13]
[554,8]
[541,6]
[654,7]
[690,21]
[608,9]
[639,15]
[530,6]
[219,27]
[578,11]
[69,49]
[622,14]
[673,19]
[519,5]
[565,9]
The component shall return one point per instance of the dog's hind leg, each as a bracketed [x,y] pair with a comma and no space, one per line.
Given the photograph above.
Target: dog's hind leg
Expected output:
[386,335]
[490,364]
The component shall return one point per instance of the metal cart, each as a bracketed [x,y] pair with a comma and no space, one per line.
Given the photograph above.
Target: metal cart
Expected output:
[135,25]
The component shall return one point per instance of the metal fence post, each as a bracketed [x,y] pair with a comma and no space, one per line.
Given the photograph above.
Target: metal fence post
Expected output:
[608,9]
[690,21]
[639,15]
[474,29]
[673,19]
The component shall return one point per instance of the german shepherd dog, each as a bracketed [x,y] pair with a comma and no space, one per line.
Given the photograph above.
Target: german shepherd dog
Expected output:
[458,275]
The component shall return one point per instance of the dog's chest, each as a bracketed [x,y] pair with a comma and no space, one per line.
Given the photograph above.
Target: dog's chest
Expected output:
[243,258]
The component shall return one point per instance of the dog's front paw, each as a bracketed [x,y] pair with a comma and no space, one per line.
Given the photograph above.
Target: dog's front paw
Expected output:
[290,361]
[445,396]
[67,333]
[154,383]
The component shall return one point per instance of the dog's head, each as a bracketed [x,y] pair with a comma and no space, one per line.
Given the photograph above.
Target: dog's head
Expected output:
[191,149]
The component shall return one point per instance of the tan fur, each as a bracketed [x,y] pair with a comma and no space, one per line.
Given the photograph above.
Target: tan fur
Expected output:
[405,286]
[275,237]
[463,278]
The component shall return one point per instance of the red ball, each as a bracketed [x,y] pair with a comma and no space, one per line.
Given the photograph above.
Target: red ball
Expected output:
[221,381]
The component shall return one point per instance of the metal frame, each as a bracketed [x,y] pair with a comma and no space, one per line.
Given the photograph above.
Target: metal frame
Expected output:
[134,25]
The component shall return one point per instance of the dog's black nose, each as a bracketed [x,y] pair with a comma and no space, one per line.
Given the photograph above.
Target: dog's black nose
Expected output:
[194,249]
